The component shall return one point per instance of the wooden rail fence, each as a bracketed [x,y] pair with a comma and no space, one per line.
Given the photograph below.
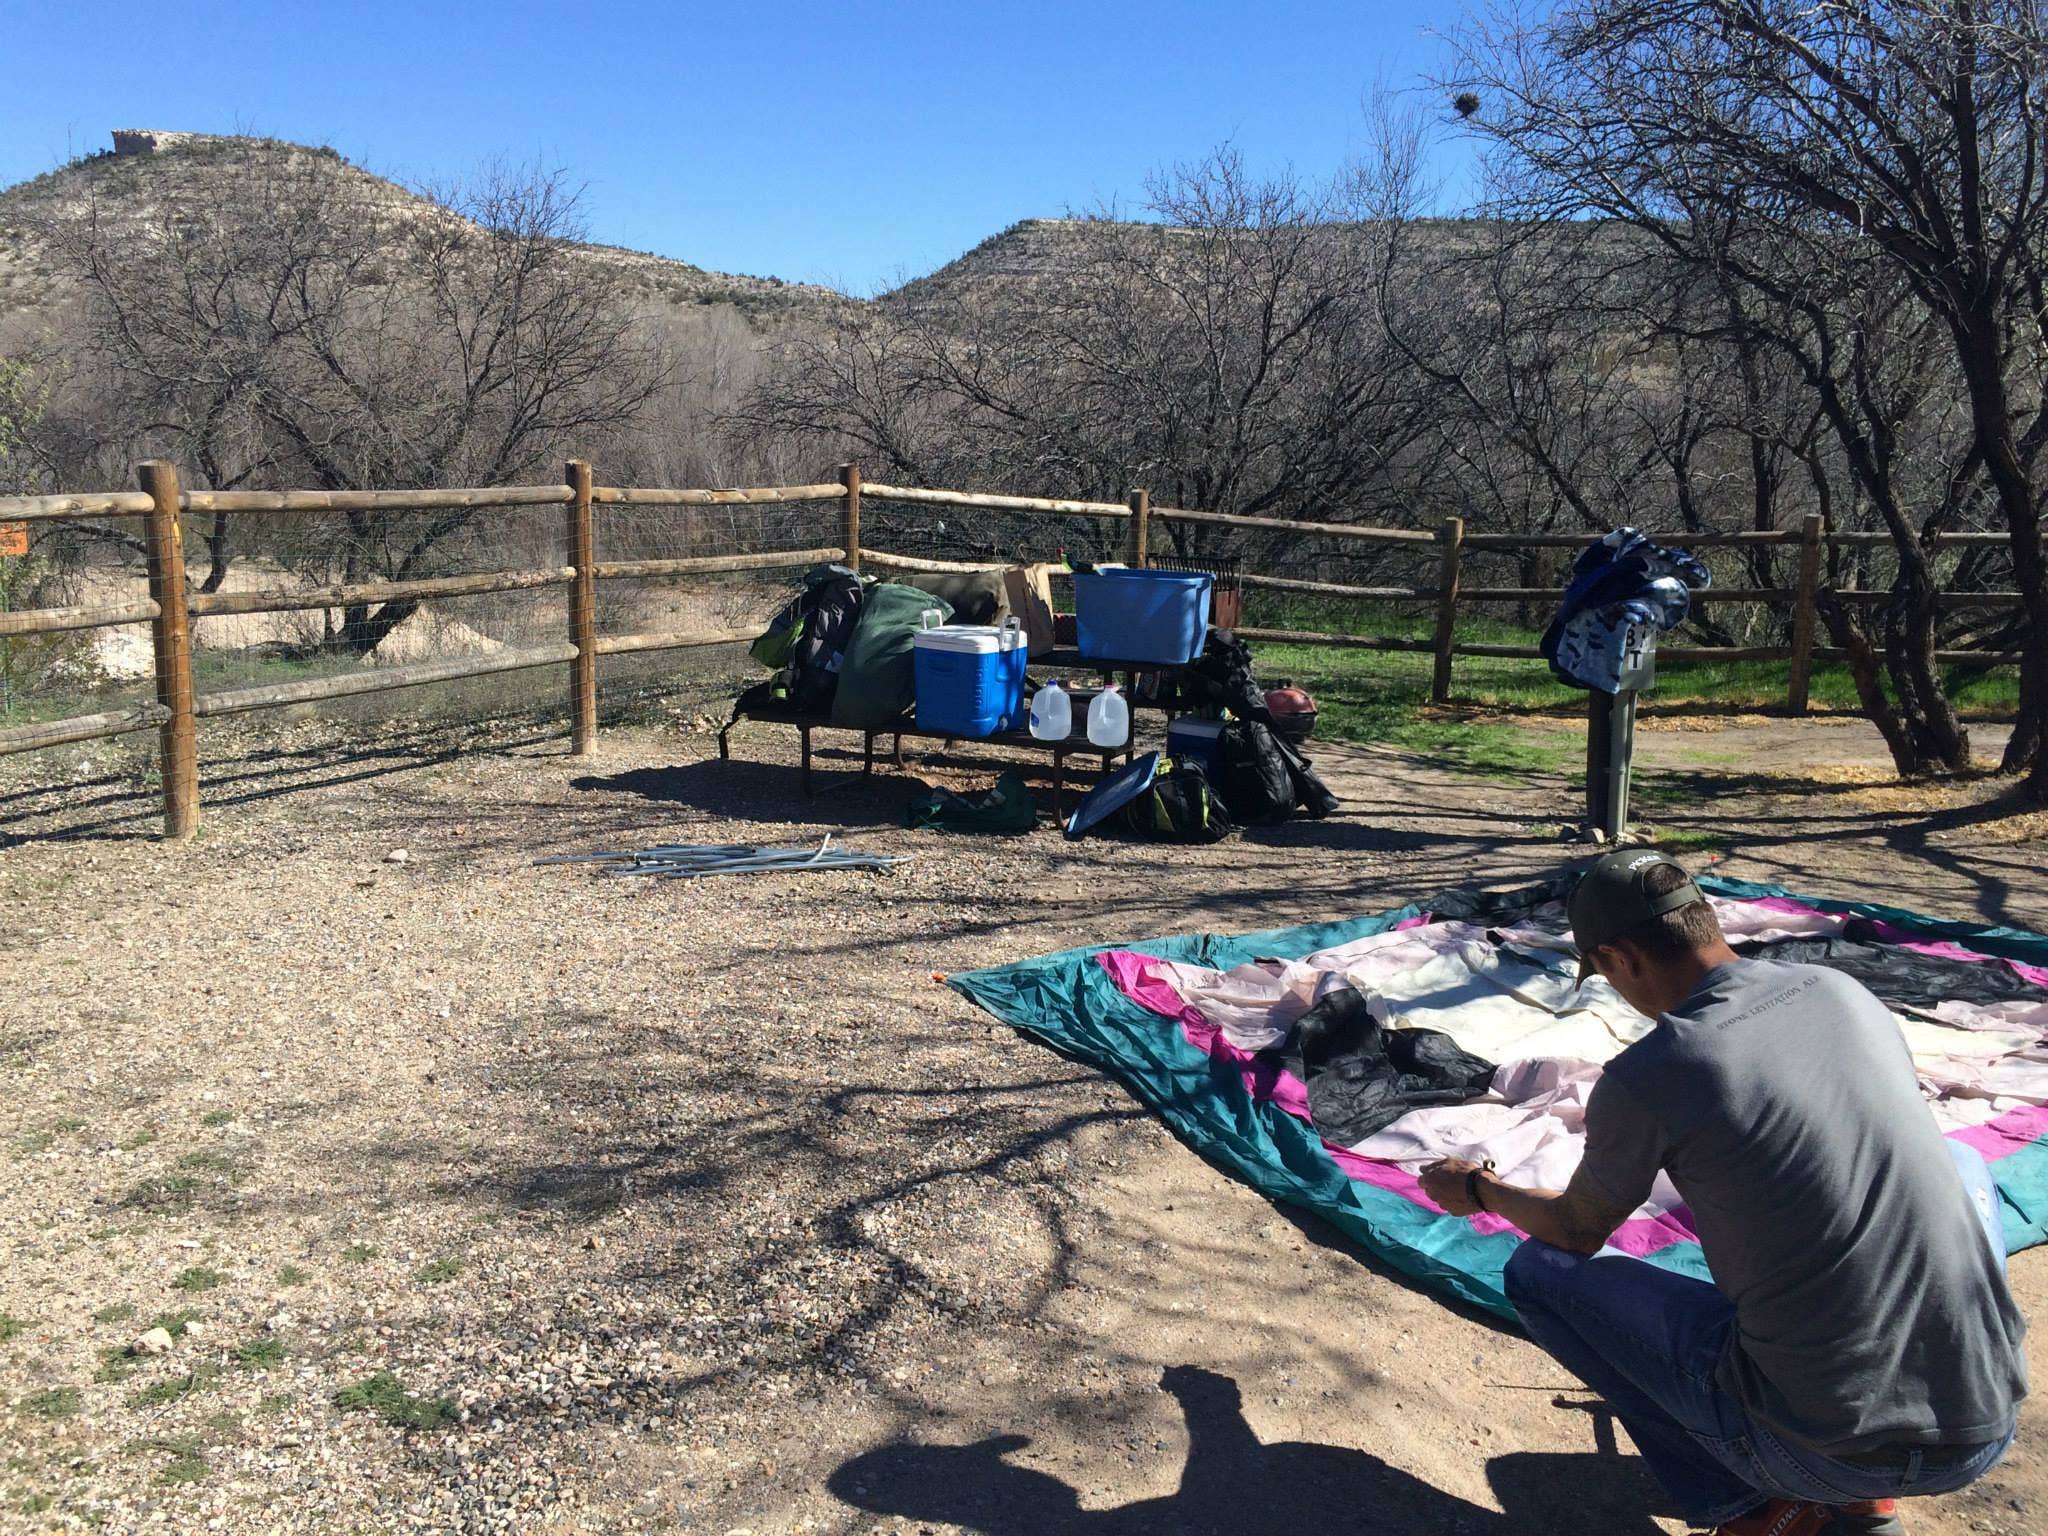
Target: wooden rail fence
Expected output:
[171,607]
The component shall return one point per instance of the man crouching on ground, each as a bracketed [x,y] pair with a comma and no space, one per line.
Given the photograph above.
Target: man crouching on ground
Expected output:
[1858,1343]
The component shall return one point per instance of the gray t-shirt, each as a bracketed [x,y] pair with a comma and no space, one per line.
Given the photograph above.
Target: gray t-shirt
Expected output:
[1869,1308]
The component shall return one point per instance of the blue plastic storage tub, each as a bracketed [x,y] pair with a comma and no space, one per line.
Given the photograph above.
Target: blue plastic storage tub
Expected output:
[970,678]
[1137,615]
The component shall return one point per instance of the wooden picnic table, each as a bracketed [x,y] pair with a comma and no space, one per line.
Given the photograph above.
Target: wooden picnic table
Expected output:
[1075,744]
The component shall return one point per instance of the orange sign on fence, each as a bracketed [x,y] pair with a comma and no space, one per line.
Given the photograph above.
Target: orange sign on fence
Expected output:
[13,538]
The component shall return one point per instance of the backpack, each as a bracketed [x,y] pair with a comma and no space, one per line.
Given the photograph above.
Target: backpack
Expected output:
[1253,775]
[806,642]
[1179,807]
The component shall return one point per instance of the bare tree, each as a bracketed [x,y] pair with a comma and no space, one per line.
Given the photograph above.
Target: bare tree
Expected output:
[1223,351]
[303,328]
[1871,176]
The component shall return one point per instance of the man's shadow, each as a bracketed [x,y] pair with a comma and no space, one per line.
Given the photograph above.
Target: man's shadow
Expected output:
[1232,1483]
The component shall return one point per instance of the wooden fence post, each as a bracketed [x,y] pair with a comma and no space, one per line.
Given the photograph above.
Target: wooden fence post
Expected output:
[582,612]
[849,476]
[170,636]
[1803,602]
[1141,528]
[1451,535]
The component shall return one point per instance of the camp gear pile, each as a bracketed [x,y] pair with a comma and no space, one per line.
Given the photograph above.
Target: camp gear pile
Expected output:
[1208,1030]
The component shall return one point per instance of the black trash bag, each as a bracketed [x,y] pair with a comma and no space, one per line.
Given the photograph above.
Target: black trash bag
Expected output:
[1221,678]
[1255,779]
[1310,792]
[1362,1076]
[1180,806]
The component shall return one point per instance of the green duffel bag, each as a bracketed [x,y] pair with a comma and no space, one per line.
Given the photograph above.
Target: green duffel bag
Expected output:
[878,678]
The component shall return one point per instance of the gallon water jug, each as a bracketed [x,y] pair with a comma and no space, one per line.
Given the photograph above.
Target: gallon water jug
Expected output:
[1109,718]
[1052,713]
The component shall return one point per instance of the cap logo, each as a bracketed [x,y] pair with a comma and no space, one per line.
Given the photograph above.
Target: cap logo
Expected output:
[1644,858]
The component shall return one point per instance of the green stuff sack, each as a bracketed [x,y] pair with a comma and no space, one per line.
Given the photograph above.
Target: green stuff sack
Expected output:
[1005,808]
[878,676]
[1179,807]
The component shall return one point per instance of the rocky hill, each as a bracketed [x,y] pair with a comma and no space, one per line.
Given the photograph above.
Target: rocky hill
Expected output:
[130,182]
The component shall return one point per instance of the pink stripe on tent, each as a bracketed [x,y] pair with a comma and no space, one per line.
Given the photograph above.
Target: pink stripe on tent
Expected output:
[2009,1133]
[1269,1082]
[1265,1078]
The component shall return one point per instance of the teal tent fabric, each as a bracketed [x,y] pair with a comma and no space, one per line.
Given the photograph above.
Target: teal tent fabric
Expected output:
[1070,1003]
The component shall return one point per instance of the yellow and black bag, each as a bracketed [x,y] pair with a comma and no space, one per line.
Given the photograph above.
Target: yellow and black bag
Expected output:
[1180,806]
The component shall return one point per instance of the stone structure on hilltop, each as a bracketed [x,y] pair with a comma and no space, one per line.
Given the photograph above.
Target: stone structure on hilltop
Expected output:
[147,141]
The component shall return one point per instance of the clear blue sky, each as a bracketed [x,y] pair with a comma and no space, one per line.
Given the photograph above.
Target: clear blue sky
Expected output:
[847,143]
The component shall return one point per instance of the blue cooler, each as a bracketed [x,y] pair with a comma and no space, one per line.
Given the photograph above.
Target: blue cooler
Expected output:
[1197,739]
[1126,614]
[970,677]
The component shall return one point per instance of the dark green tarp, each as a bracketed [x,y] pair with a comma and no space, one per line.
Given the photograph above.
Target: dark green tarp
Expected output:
[878,679]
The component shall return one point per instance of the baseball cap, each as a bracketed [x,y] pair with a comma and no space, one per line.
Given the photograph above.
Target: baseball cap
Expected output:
[1609,899]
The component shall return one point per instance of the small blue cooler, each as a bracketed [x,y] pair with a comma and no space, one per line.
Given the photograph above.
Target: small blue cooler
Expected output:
[1198,739]
[1126,614]
[970,677]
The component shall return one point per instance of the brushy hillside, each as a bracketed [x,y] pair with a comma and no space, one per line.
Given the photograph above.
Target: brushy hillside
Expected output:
[129,188]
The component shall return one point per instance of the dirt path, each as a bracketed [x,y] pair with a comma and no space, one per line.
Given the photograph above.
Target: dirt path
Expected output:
[705,1209]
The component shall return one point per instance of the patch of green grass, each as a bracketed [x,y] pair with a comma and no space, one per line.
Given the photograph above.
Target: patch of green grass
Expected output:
[1695,839]
[271,1404]
[259,1352]
[11,1327]
[116,1364]
[184,1461]
[439,1271]
[173,1389]
[172,1323]
[33,1142]
[214,1117]
[164,1194]
[140,1139]
[51,1403]
[34,1503]
[291,1274]
[358,1253]
[104,1234]
[223,1165]
[385,1395]
[198,1278]
[118,1312]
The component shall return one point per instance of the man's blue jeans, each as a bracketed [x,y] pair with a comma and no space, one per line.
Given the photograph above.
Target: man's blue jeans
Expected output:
[1649,1342]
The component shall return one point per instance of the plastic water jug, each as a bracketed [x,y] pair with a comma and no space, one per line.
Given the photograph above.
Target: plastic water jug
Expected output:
[1052,713]
[1109,718]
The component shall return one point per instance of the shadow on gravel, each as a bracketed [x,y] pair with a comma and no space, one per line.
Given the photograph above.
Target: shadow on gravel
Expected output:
[1234,1483]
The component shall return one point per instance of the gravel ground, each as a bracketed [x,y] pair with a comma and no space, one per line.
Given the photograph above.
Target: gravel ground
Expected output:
[476,1196]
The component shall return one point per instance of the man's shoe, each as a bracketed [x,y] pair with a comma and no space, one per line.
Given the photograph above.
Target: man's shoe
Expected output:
[1877,1517]
[1781,1517]
[1795,1517]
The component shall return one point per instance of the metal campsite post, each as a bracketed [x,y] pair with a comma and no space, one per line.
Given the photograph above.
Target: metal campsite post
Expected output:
[1611,740]
[1451,536]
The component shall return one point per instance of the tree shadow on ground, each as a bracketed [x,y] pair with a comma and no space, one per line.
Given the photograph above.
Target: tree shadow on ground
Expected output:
[1234,1483]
